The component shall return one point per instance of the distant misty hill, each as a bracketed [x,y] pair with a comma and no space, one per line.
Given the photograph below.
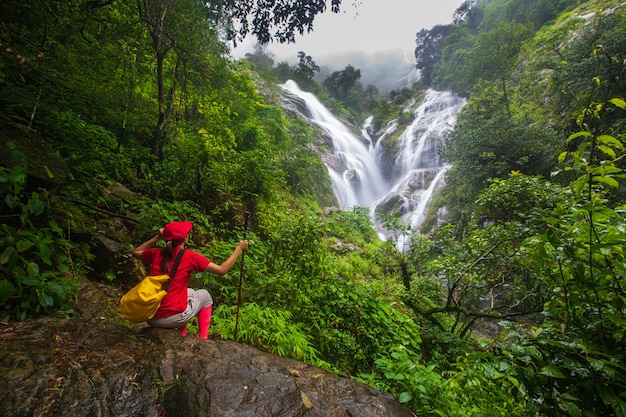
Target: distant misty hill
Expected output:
[385,70]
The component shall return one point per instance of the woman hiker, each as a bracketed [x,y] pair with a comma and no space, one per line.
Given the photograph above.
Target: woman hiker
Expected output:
[181,303]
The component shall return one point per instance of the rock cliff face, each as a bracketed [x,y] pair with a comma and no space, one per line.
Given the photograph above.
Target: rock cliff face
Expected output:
[97,365]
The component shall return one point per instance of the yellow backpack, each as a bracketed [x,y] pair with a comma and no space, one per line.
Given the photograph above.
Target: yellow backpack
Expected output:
[144,299]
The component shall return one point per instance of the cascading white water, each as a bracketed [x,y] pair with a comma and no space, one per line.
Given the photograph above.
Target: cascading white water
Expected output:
[362,180]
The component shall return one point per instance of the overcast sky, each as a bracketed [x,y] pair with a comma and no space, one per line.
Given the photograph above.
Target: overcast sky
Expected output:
[370,27]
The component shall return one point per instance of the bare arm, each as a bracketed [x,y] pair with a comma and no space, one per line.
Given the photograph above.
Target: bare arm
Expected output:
[228,263]
[147,244]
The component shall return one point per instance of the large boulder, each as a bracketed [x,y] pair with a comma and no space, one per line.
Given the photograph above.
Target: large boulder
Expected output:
[99,365]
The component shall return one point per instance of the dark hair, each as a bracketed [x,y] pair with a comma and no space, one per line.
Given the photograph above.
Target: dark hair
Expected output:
[168,254]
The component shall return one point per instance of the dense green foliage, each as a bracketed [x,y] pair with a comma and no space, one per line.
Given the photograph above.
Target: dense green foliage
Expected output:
[36,256]
[116,120]
[545,256]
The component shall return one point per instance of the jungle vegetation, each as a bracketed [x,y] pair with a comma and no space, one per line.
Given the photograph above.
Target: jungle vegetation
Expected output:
[119,116]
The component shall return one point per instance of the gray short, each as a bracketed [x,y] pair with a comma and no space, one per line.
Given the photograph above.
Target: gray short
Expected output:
[196,301]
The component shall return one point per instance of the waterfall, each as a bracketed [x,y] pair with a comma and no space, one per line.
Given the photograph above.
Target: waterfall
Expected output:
[359,171]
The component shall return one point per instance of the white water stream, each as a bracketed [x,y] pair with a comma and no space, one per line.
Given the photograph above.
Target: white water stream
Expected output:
[363,178]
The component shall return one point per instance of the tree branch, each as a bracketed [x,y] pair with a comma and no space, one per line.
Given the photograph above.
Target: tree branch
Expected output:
[98,209]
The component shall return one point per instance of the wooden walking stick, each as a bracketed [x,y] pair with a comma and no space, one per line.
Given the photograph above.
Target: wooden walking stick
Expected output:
[245,233]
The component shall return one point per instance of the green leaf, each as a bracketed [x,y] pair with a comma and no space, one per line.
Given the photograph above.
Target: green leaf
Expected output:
[579,184]
[36,205]
[7,290]
[44,253]
[610,141]
[552,371]
[24,245]
[45,299]
[571,408]
[618,102]
[31,280]
[55,227]
[611,169]
[607,150]
[405,397]
[7,254]
[568,397]
[32,268]
[606,180]
[56,288]
[596,364]
[577,135]
[513,381]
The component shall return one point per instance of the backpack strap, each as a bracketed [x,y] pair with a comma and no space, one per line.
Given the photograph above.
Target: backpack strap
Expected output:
[174,269]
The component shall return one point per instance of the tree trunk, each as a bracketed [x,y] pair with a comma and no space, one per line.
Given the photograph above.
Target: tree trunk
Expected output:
[153,12]
[160,130]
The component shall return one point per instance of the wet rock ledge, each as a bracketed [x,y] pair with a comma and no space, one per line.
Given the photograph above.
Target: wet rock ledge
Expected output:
[96,365]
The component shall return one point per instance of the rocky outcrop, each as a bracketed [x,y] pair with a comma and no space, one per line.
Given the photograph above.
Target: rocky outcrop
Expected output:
[98,365]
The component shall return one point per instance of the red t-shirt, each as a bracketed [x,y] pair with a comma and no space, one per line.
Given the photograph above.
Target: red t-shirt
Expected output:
[175,301]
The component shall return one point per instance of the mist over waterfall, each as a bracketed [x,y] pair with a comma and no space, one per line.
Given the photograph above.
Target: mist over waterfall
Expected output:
[362,175]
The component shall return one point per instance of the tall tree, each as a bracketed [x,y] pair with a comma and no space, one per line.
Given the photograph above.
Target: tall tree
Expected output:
[306,66]
[428,50]
[262,60]
[339,83]
[371,91]
[154,13]
[495,54]
[180,26]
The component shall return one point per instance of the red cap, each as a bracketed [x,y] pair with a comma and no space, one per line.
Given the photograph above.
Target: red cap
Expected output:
[176,230]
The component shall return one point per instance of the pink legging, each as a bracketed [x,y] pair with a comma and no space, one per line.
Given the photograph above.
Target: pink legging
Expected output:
[199,304]
[204,322]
